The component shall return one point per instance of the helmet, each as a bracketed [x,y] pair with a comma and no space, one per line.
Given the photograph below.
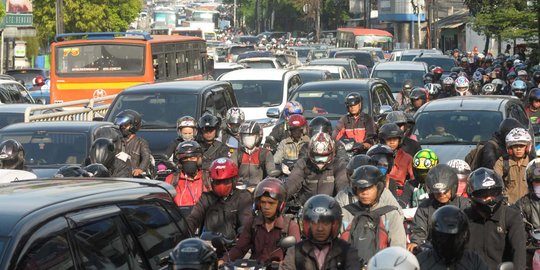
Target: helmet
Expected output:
[449,233]
[319,208]
[517,136]
[353,99]
[419,93]
[366,176]
[357,161]
[511,76]
[224,173]
[453,75]
[536,77]
[396,258]
[423,161]
[128,118]
[382,156]
[499,85]
[297,121]
[188,149]
[102,151]
[112,133]
[534,94]
[209,121]
[251,134]
[485,187]
[428,78]
[437,72]
[186,121]
[193,253]
[461,167]
[477,76]
[488,89]
[407,86]
[273,188]
[506,126]
[442,178]
[397,117]
[319,124]
[11,155]
[292,107]
[462,85]
[448,84]
[390,130]
[497,73]
[71,171]
[321,150]
[97,170]
[519,87]
[234,118]
[432,88]
[532,172]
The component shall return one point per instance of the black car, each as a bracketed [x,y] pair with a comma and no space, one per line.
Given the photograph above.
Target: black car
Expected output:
[88,224]
[161,104]
[51,145]
[360,56]
[314,75]
[27,75]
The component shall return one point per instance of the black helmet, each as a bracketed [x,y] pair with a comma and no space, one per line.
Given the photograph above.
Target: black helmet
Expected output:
[507,125]
[102,151]
[188,149]
[483,183]
[97,170]
[128,117]
[536,77]
[418,93]
[534,94]
[112,133]
[453,75]
[449,233]
[366,176]
[353,99]
[532,172]
[442,178]
[397,117]
[209,121]
[193,253]
[390,130]
[320,124]
[324,208]
[428,78]
[71,171]
[11,155]
[357,161]
[407,87]
[382,157]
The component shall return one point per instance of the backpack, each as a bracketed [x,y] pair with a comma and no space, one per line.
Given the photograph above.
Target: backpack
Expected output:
[474,157]
[367,231]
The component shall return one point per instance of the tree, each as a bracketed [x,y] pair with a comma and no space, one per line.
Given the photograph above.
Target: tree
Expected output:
[84,16]
[2,10]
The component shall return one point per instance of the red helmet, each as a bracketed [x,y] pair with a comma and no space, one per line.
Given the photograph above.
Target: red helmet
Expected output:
[437,70]
[297,120]
[273,188]
[223,172]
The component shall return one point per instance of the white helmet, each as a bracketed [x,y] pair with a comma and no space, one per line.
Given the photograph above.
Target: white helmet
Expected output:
[462,85]
[460,166]
[448,80]
[393,258]
[488,89]
[518,136]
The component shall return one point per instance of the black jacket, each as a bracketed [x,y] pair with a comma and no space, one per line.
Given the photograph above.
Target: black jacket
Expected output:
[498,238]
[212,152]
[529,206]
[171,148]
[410,146]
[138,149]
[491,153]
[341,256]
[224,215]
[469,261]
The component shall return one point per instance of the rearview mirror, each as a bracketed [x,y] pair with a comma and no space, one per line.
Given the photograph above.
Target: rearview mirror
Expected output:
[287,242]
[272,113]
[385,109]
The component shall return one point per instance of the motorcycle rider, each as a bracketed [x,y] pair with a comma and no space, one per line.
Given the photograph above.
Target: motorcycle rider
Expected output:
[533,107]
[234,118]
[382,156]
[408,145]
[121,166]
[129,122]
[535,79]
[448,88]
[356,124]
[193,253]
[437,75]
[418,97]
[279,131]
[186,128]
[519,89]
[289,149]
[225,208]
[254,161]
[12,156]
[494,226]
[263,231]
[462,170]
[391,135]
[462,86]
[208,129]
[103,151]
[403,96]
[321,248]
[415,190]
[449,234]
[496,146]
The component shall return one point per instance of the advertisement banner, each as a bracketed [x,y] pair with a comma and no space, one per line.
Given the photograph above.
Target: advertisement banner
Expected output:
[19,13]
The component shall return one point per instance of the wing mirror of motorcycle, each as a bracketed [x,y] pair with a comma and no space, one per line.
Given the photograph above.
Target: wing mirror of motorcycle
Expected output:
[218,243]
[287,242]
[272,113]
[385,109]
[274,173]
[506,266]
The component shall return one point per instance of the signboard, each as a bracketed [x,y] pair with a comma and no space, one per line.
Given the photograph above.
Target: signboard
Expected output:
[20,50]
[400,10]
[19,13]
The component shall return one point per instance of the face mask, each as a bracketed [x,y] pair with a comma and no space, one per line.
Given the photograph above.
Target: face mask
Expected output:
[537,191]
[186,137]
[249,141]
[222,190]
[383,170]
[190,167]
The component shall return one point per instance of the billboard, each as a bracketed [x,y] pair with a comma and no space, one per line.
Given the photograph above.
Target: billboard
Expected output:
[400,10]
[19,13]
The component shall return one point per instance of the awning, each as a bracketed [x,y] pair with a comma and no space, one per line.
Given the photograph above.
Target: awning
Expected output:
[451,26]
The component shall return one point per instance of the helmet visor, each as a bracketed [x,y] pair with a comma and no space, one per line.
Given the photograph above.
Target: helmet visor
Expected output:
[485,194]
[321,159]
[8,163]
[122,121]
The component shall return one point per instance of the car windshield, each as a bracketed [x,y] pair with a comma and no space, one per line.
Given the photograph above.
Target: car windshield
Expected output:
[3,242]
[259,64]
[10,118]
[360,58]
[408,57]
[395,78]
[258,93]
[157,110]
[329,104]
[50,148]
[302,52]
[446,63]
[456,127]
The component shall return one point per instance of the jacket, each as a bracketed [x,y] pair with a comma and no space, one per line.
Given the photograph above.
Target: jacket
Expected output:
[413,194]
[402,168]
[262,243]
[393,220]
[223,215]
[410,146]
[138,149]
[188,191]
[171,148]
[232,142]
[333,260]
[491,153]
[529,206]
[212,152]
[500,237]
[515,185]
[361,128]
[278,134]
[289,149]
[251,170]
[121,169]
[306,180]
[422,217]
[470,260]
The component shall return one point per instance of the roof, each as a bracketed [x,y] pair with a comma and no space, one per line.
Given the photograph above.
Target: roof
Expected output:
[255,74]
[15,108]
[468,103]
[188,87]
[357,84]
[419,51]
[19,199]
[400,65]
[366,32]
[330,61]
[333,69]
[55,126]
[442,56]
[453,21]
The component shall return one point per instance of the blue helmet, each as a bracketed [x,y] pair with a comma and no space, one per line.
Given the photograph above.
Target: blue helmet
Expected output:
[534,94]
[477,76]
[519,85]
[292,107]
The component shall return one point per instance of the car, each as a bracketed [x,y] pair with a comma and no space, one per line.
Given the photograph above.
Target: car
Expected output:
[327,98]
[316,54]
[377,51]
[314,75]
[253,54]
[361,57]
[452,127]
[302,52]
[396,72]
[349,64]
[88,223]
[27,75]
[235,49]
[409,55]
[258,90]
[51,145]
[13,92]
[446,62]
[337,72]
[246,40]
[161,104]
[261,62]
[15,113]
[8,175]
[222,68]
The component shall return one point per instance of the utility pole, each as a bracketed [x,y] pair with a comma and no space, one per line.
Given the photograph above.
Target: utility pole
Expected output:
[59,17]
[234,14]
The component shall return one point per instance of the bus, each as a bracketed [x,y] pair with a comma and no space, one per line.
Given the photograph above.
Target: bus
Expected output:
[99,64]
[165,17]
[362,37]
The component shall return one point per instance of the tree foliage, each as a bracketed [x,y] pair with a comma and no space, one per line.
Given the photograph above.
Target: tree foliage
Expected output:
[2,10]
[84,16]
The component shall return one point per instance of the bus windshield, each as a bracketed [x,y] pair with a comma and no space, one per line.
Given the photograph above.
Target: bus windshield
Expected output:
[99,60]
[374,41]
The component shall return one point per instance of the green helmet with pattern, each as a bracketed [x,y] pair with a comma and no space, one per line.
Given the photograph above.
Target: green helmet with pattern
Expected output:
[424,160]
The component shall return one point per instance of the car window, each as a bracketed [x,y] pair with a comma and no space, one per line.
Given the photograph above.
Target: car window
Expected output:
[381,92]
[155,230]
[327,103]
[259,93]
[294,82]
[51,253]
[395,78]
[517,113]
[375,99]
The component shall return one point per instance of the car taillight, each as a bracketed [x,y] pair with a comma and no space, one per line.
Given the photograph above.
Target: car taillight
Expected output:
[39,80]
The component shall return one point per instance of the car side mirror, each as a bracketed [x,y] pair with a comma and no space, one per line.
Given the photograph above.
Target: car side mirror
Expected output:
[98,118]
[385,109]
[272,113]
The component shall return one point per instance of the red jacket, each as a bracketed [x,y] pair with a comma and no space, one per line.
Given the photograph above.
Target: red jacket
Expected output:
[361,129]
[402,167]
[189,191]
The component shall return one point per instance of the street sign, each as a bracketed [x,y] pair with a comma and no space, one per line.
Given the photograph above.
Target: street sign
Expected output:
[19,13]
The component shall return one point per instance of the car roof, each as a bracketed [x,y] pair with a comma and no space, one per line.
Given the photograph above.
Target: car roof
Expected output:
[26,69]
[225,65]
[258,59]
[321,67]
[16,108]
[419,51]
[2,81]
[270,74]
[188,87]
[468,103]
[442,56]
[353,51]
[56,126]
[400,65]
[359,84]
[21,198]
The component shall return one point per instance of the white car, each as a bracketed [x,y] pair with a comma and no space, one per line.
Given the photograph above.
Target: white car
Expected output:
[8,176]
[338,72]
[258,90]
[397,72]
